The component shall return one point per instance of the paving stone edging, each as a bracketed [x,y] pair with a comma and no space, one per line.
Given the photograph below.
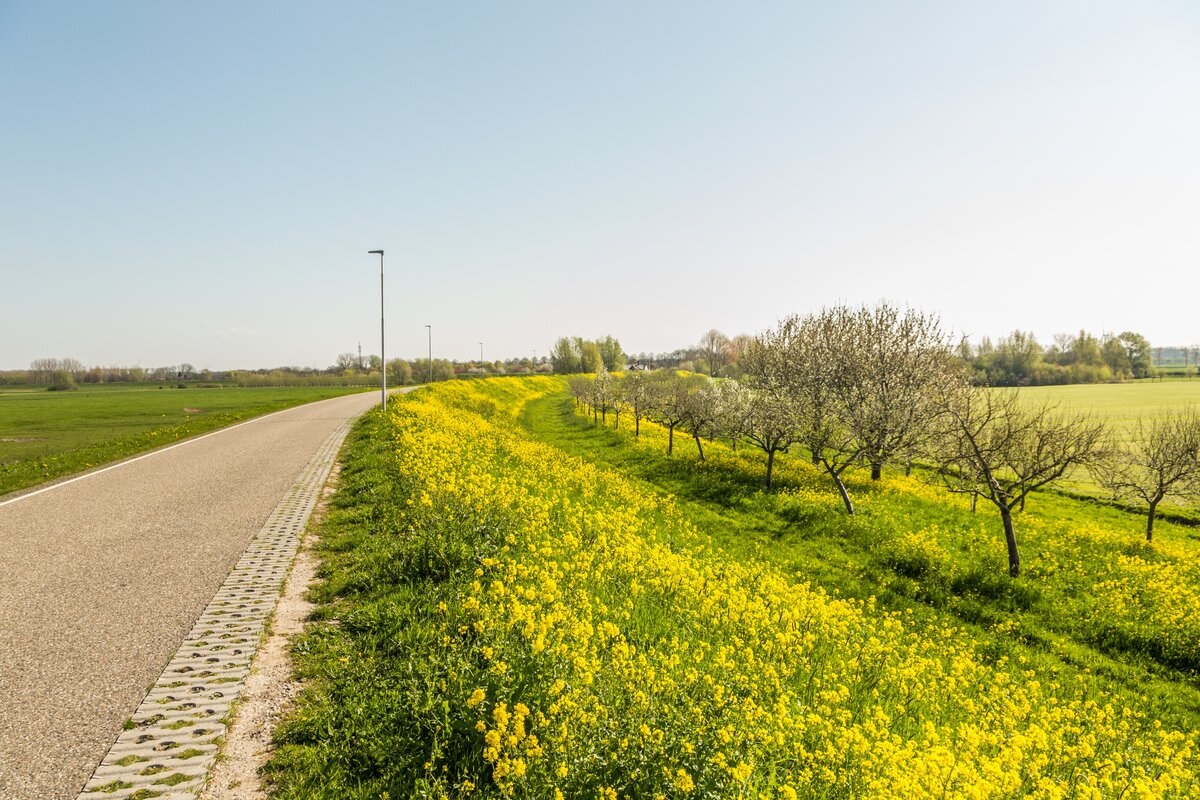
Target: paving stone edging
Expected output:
[172,740]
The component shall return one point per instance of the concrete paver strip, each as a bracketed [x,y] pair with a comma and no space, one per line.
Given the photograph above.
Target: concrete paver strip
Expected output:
[174,736]
[270,689]
[102,580]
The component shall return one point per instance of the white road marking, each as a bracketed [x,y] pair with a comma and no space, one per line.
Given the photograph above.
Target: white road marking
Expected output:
[129,461]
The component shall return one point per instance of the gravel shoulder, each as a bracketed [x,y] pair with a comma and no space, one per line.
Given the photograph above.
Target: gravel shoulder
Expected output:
[271,687]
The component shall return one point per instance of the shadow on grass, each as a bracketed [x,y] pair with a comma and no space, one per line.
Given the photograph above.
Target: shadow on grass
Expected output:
[717,480]
[864,556]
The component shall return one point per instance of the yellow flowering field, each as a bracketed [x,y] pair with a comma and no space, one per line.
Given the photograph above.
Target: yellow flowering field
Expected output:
[505,620]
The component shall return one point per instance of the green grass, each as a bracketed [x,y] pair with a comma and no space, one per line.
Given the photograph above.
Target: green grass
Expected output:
[47,435]
[1120,404]
[958,569]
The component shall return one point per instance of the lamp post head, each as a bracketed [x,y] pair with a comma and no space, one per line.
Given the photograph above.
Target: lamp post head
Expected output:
[373,252]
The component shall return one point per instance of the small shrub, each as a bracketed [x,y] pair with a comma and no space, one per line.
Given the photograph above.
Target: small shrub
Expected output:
[62,381]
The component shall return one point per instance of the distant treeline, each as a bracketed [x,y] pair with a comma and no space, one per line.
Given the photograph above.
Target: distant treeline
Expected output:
[63,370]
[1014,360]
[348,370]
[1020,360]
[716,355]
[1175,358]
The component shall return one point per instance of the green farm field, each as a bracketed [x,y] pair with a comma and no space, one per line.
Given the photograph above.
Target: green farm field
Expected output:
[47,435]
[1120,404]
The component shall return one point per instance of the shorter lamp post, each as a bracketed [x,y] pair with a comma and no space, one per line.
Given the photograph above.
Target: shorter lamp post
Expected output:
[429,331]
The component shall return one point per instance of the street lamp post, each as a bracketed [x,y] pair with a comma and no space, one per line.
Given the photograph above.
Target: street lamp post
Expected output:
[429,330]
[481,369]
[382,354]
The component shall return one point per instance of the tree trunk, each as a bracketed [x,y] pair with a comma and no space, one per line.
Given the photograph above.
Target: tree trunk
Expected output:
[816,459]
[974,501]
[841,487]
[1010,538]
[670,439]
[637,426]
[770,466]
[1150,521]
[617,420]
[699,445]
[876,471]
[604,416]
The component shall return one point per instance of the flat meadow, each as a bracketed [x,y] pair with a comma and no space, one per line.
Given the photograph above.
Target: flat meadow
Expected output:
[46,435]
[1121,404]
[518,602]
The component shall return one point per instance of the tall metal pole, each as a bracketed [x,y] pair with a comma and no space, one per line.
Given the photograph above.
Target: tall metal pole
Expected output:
[382,354]
[429,330]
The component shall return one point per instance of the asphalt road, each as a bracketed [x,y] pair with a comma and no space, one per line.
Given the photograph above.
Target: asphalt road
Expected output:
[101,578]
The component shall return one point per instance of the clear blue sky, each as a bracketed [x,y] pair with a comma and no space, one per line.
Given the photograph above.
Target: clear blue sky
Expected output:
[200,182]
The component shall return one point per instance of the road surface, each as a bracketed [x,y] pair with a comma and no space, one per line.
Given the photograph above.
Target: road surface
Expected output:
[102,577]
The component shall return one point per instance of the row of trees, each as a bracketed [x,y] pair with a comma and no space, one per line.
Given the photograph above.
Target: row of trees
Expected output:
[1014,360]
[715,355]
[66,373]
[574,354]
[358,369]
[399,371]
[866,387]
[347,369]
[419,370]
[46,370]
